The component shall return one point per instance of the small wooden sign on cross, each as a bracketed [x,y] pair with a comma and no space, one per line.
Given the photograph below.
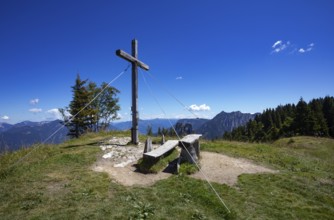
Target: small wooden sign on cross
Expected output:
[135,63]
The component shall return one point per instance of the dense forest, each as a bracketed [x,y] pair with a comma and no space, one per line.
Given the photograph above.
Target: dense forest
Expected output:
[315,118]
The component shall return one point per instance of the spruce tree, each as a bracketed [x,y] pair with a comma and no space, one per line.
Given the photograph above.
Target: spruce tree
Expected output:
[328,110]
[80,119]
[91,108]
[320,126]
[304,120]
[149,131]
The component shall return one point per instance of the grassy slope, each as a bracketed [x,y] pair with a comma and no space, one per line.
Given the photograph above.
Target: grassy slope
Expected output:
[56,182]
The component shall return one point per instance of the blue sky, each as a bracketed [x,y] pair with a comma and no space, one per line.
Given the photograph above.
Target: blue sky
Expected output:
[211,55]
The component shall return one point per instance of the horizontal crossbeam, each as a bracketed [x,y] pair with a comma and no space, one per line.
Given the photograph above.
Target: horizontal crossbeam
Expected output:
[131,59]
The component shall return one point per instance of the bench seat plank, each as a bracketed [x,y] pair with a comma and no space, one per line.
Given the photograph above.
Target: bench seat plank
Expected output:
[169,145]
[191,138]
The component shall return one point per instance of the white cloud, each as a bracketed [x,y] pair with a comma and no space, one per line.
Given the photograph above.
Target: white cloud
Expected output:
[53,114]
[308,49]
[202,107]
[35,110]
[34,101]
[277,43]
[179,78]
[279,46]
[5,117]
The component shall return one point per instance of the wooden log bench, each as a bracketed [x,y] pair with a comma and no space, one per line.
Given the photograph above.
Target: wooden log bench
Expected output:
[163,149]
[190,148]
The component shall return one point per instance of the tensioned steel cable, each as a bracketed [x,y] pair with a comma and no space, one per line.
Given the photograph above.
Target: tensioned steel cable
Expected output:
[196,163]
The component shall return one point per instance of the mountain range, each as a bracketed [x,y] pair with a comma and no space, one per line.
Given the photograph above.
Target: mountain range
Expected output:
[216,127]
[24,134]
[155,124]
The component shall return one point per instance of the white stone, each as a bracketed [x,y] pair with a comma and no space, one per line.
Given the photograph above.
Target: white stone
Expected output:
[123,164]
[108,155]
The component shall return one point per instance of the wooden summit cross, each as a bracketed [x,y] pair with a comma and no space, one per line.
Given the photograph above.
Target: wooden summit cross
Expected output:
[135,63]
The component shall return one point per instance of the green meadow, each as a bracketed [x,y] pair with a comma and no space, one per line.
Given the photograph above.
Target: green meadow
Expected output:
[56,182]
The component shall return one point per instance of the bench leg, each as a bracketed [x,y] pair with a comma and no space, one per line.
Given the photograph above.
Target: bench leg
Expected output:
[148,145]
[197,147]
[192,158]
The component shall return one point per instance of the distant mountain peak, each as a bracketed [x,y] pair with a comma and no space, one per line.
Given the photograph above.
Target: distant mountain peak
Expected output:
[27,133]
[224,121]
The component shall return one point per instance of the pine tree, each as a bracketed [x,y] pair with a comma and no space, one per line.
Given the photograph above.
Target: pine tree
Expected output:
[91,109]
[304,120]
[171,132]
[149,130]
[328,110]
[320,126]
[80,119]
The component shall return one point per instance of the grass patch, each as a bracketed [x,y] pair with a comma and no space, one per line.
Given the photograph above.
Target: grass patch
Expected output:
[188,168]
[56,182]
[303,189]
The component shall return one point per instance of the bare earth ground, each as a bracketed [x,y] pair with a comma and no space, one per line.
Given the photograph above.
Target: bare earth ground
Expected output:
[118,161]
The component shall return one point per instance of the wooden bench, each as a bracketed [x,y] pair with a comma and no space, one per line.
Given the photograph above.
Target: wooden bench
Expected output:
[169,145]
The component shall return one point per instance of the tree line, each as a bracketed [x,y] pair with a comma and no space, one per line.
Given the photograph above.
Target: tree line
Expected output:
[161,131]
[92,107]
[315,118]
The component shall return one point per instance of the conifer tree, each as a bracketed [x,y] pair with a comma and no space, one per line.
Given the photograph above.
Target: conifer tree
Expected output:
[328,110]
[149,131]
[91,108]
[304,120]
[80,117]
[320,126]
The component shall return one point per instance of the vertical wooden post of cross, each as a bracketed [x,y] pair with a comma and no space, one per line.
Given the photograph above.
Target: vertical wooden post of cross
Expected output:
[135,117]
[133,58]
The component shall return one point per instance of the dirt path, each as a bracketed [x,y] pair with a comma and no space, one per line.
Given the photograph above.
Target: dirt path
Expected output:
[224,169]
[118,161]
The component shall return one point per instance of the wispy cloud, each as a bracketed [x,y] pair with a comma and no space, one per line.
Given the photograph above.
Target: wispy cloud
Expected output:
[281,46]
[35,110]
[34,101]
[202,107]
[5,117]
[179,78]
[279,42]
[307,49]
